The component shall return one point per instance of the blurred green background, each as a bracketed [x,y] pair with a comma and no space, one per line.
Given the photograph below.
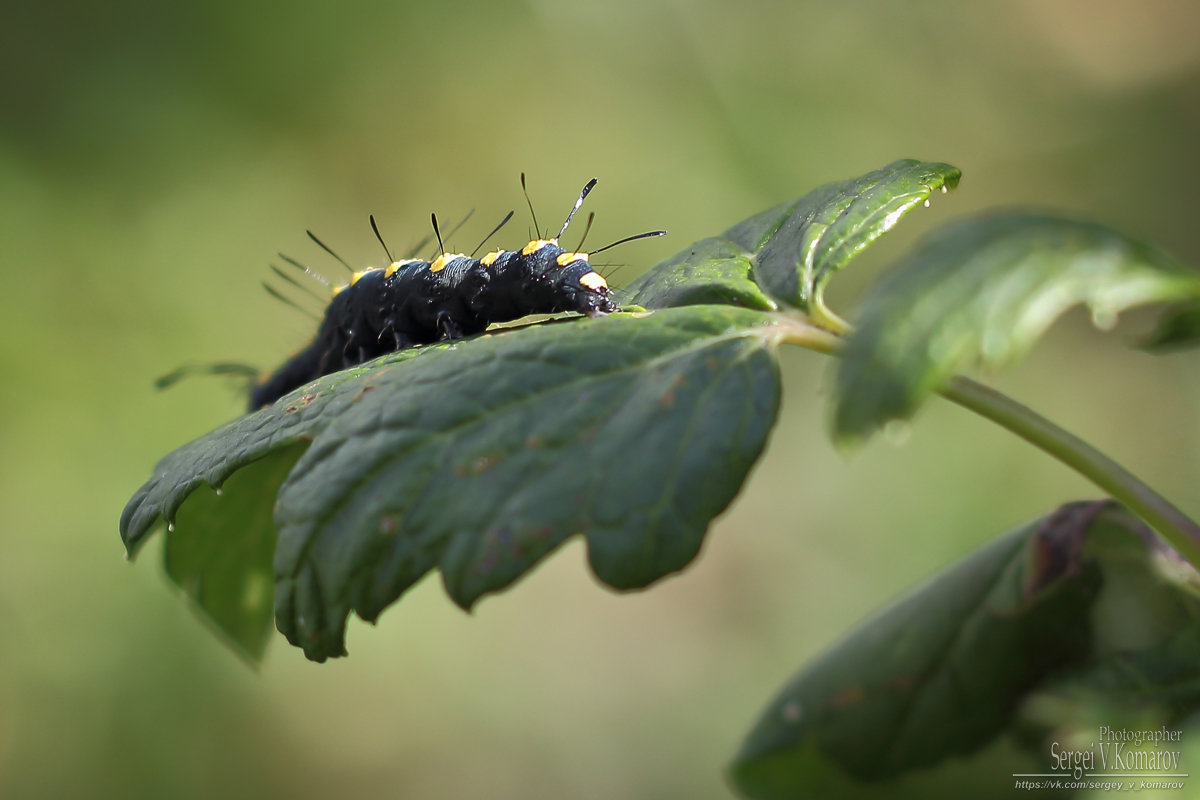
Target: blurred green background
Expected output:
[154,157]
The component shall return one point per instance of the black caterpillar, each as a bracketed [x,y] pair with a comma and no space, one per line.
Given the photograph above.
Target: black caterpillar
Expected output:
[412,302]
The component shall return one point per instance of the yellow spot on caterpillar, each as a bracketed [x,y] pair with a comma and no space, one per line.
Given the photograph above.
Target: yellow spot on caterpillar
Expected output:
[593,281]
[567,258]
[356,277]
[396,265]
[490,258]
[537,244]
[339,289]
[441,261]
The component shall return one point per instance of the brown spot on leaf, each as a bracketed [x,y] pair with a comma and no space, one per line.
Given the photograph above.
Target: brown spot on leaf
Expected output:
[476,466]
[482,463]
[1058,544]
[389,524]
[303,402]
[668,398]
[850,696]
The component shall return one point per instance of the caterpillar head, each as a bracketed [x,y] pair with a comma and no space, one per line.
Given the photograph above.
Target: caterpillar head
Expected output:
[567,274]
[586,289]
[569,278]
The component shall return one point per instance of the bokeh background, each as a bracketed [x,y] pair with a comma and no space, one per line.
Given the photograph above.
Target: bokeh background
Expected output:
[155,156]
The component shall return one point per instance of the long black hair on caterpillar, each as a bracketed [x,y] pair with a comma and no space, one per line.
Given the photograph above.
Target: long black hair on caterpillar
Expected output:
[412,302]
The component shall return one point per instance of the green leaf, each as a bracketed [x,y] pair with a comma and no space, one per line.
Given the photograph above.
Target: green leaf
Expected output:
[221,548]
[711,272]
[1068,608]
[984,290]
[786,255]
[1178,329]
[480,457]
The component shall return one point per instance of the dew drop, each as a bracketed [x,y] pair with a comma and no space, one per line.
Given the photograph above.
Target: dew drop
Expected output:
[897,431]
[170,527]
[944,189]
[220,491]
[1104,318]
[927,203]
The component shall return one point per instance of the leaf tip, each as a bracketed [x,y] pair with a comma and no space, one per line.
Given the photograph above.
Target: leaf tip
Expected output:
[850,426]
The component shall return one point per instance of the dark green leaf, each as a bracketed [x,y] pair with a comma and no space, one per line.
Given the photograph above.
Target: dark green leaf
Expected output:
[710,272]
[1069,607]
[791,251]
[480,457]
[799,246]
[984,290]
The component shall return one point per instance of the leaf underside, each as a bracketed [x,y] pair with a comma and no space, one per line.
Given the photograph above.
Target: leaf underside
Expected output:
[1083,606]
[479,458]
[221,550]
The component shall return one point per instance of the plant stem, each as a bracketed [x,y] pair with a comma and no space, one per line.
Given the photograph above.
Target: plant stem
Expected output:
[824,317]
[1180,531]
[1172,524]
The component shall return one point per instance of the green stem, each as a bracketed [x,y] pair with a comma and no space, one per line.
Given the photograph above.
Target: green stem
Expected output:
[824,317]
[1172,524]
[1176,527]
